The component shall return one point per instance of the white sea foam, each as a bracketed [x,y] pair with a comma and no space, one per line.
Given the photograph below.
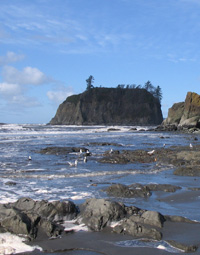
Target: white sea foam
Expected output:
[4,199]
[115,223]
[72,226]
[12,244]
[9,127]
[162,245]
[74,175]
[80,195]
[42,191]
[19,129]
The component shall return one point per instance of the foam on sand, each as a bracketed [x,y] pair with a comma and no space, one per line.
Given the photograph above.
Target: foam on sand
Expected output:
[161,245]
[12,244]
[71,226]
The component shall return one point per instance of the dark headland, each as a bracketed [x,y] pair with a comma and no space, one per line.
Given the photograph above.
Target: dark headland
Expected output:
[110,106]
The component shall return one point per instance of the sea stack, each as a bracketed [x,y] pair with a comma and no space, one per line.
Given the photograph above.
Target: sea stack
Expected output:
[110,106]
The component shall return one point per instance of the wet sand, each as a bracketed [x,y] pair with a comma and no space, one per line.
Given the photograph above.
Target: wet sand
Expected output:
[104,243]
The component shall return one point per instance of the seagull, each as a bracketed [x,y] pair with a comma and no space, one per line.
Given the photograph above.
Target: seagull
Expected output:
[88,153]
[29,158]
[151,152]
[85,159]
[73,164]
[81,151]
[191,146]
[111,151]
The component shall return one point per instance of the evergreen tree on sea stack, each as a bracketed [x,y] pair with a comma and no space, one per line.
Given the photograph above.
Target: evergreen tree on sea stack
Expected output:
[89,82]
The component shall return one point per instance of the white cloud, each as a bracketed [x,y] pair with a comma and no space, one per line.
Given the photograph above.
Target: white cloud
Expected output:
[13,90]
[28,76]
[59,94]
[9,89]
[10,58]
[14,95]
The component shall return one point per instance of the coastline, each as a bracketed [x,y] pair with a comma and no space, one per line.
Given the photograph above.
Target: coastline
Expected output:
[106,242]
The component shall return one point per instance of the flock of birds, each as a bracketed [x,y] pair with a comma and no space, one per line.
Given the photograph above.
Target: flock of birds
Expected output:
[87,153]
[75,163]
[80,154]
[153,151]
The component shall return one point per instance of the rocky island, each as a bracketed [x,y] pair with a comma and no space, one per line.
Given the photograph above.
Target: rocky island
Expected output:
[183,115]
[110,106]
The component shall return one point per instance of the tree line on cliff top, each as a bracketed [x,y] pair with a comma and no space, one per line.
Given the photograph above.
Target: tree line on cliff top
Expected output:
[155,91]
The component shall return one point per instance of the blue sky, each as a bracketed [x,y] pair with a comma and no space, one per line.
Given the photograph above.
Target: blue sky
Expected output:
[48,48]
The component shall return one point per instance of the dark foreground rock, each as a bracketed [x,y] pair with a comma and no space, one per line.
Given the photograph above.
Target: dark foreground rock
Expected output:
[29,217]
[138,230]
[54,211]
[100,214]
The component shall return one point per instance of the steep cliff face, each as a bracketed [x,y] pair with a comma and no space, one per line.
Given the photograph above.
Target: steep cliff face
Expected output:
[185,113]
[109,106]
[174,114]
[191,111]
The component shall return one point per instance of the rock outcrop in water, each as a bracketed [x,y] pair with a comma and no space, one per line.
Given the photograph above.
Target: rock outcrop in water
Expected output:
[184,114]
[110,106]
[138,190]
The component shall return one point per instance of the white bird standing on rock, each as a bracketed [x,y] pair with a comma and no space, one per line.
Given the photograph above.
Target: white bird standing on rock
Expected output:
[191,146]
[151,152]
[88,153]
[29,158]
[73,164]
[85,159]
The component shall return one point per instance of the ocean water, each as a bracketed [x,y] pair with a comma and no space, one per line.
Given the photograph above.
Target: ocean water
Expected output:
[50,177]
